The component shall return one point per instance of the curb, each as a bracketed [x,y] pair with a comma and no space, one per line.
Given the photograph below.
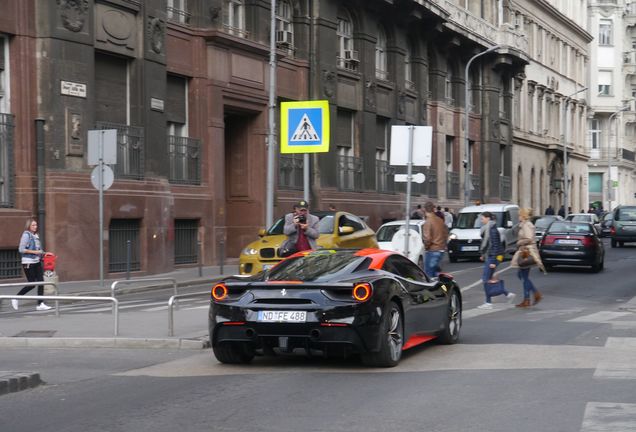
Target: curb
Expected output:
[11,382]
[113,342]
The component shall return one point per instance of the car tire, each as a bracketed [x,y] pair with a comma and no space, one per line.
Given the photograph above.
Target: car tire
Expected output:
[613,243]
[597,267]
[621,244]
[391,340]
[233,353]
[453,320]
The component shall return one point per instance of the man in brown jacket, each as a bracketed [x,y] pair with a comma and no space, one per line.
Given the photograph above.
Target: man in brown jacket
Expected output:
[435,237]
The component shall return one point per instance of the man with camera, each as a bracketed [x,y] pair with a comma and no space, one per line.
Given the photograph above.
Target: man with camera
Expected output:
[301,229]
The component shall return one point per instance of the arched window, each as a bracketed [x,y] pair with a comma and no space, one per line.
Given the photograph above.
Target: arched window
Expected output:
[347,56]
[234,17]
[409,83]
[380,55]
[284,26]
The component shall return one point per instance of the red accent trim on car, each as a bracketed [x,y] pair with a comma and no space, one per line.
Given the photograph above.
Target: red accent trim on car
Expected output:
[417,340]
[378,256]
[234,323]
[329,324]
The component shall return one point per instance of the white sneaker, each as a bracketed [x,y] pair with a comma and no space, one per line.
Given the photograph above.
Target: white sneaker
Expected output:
[42,307]
[14,303]
[511,297]
[485,306]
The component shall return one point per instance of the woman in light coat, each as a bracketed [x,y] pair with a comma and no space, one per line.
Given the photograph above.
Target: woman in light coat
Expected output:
[526,244]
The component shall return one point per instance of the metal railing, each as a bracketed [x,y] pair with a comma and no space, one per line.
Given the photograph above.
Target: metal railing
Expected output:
[114,285]
[290,171]
[178,15]
[452,184]
[185,160]
[505,187]
[7,168]
[70,298]
[130,150]
[34,284]
[349,173]
[173,302]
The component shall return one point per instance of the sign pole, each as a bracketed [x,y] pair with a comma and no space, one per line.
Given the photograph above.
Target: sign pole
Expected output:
[306,176]
[409,176]
[101,209]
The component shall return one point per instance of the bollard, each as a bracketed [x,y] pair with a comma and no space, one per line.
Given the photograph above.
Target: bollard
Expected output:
[128,258]
[200,253]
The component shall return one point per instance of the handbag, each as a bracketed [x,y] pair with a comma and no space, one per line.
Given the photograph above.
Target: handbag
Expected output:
[495,287]
[525,259]
[287,248]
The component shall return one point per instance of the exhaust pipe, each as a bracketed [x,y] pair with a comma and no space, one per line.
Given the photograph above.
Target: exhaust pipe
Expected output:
[314,335]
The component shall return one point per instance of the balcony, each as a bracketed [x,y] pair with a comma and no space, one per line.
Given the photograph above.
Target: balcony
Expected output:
[629,62]
[130,150]
[505,188]
[431,182]
[7,173]
[349,173]
[290,171]
[178,15]
[185,160]
[452,184]
[384,177]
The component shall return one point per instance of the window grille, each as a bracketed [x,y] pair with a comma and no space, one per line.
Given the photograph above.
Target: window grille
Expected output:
[119,232]
[7,173]
[290,171]
[10,267]
[185,241]
[185,160]
[130,150]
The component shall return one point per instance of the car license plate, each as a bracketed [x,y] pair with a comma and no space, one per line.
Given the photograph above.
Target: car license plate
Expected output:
[470,248]
[282,316]
[567,242]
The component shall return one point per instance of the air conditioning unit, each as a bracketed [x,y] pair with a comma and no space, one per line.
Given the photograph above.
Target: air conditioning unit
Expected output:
[351,55]
[283,37]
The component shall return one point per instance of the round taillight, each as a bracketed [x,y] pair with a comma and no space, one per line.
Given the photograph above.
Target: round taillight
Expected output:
[219,292]
[362,292]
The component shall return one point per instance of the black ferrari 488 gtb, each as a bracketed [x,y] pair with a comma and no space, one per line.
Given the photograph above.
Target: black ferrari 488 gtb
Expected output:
[370,302]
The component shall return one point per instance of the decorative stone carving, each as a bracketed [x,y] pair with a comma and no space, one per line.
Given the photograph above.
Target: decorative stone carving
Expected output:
[494,130]
[401,103]
[328,83]
[74,133]
[73,14]
[156,34]
[370,94]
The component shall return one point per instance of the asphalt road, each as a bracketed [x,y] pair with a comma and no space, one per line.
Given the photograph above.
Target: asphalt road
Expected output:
[567,364]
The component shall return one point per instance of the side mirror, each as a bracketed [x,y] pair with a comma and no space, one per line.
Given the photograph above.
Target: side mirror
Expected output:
[345,230]
[262,232]
[509,224]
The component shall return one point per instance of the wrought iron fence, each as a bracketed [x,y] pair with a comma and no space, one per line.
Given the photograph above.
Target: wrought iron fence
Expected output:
[7,192]
[349,173]
[185,160]
[10,267]
[627,154]
[476,192]
[180,16]
[452,184]
[119,233]
[130,150]
[505,187]
[185,241]
[290,171]
[384,176]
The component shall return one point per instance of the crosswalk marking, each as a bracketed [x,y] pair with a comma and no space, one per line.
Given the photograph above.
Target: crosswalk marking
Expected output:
[609,417]
[601,317]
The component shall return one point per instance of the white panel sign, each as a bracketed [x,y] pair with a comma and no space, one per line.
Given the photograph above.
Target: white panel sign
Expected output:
[417,178]
[422,145]
[69,88]
[108,177]
[107,138]
[156,104]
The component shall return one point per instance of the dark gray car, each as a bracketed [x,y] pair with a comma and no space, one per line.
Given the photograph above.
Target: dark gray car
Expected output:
[624,225]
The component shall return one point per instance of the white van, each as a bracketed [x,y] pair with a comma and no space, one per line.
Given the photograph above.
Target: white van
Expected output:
[464,238]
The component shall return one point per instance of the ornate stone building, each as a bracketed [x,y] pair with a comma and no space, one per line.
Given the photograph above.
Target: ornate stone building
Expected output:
[185,84]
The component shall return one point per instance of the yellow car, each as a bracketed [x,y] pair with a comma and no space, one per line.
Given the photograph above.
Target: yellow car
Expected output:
[337,230]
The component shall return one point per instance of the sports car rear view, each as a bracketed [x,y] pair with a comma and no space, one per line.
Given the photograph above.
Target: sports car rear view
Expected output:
[369,302]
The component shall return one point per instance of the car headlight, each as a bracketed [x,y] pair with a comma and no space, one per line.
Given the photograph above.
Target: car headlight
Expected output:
[452,236]
[249,251]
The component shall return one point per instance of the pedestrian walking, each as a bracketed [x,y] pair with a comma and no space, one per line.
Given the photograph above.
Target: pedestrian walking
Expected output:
[448,218]
[491,254]
[526,257]
[31,250]
[561,211]
[301,229]
[435,236]
[549,210]
[418,213]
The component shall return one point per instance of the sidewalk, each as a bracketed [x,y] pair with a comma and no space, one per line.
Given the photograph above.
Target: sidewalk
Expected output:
[148,329]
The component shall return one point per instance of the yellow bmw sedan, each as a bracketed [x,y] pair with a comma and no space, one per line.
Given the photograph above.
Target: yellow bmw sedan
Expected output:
[337,230]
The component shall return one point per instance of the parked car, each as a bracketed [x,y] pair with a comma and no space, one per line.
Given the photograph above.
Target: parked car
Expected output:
[623,227]
[585,217]
[573,244]
[464,238]
[541,223]
[606,220]
[391,236]
[337,230]
[369,302]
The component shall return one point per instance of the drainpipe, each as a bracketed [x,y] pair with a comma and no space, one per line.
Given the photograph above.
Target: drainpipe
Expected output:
[39,157]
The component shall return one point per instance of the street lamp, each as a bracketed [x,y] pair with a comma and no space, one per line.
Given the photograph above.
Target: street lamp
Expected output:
[467,122]
[566,183]
[609,162]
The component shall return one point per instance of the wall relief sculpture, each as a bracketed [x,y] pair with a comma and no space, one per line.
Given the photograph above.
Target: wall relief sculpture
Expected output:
[328,83]
[73,14]
[156,35]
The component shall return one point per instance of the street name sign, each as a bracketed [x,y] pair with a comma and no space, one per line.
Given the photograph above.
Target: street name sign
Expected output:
[304,127]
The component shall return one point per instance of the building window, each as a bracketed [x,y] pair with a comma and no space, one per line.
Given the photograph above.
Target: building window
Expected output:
[347,56]
[384,181]
[605,83]
[450,143]
[4,75]
[605,32]
[10,266]
[184,153]
[112,89]
[177,11]
[185,241]
[7,122]
[124,245]
[380,55]
[448,84]
[234,17]
[409,83]
[595,134]
[284,25]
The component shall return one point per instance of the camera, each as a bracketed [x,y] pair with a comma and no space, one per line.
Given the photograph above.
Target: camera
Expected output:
[300,219]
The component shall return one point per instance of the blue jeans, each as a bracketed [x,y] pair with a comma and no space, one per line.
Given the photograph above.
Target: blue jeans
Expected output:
[488,274]
[528,286]
[431,262]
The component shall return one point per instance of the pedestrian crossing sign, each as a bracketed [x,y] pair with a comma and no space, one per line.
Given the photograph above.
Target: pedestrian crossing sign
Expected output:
[304,127]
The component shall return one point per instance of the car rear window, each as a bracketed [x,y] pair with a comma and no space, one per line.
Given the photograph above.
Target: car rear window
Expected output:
[626,214]
[386,233]
[570,227]
[317,266]
[543,222]
[580,218]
